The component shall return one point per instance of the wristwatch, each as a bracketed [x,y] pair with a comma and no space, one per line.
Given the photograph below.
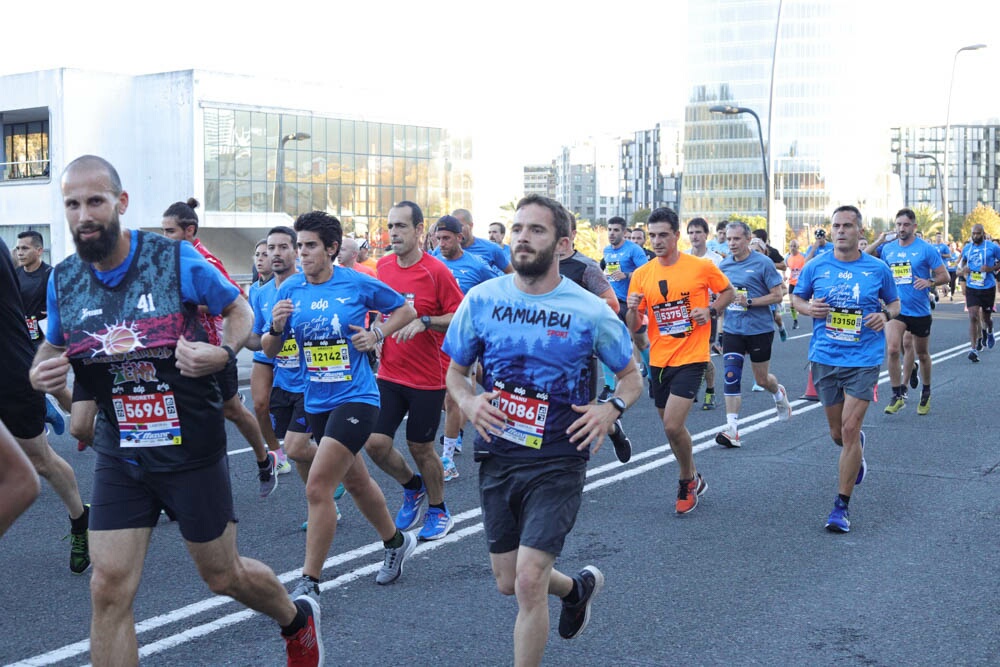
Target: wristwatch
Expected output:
[229,351]
[749,301]
[618,403]
[887,315]
[426,321]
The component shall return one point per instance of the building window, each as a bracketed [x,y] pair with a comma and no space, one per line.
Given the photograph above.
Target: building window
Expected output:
[25,144]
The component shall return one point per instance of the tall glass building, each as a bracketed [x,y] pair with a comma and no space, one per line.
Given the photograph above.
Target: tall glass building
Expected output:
[825,150]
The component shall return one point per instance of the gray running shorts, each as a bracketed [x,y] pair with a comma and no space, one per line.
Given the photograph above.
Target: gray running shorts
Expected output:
[832,382]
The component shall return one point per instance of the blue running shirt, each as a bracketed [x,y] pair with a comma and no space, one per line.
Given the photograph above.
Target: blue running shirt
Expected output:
[536,350]
[335,372]
[916,260]
[469,270]
[625,258]
[261,310]
[986,253]
[853,290]
[754,277]
[287,373]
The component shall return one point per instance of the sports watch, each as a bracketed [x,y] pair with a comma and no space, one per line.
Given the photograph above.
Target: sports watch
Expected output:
[426,321]
[618,403]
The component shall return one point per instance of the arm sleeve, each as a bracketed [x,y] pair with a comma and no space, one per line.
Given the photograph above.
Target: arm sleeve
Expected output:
[460,341]
[53,332]
[804,288]
[203,284]
[594,280]
[613,343]
[449,293]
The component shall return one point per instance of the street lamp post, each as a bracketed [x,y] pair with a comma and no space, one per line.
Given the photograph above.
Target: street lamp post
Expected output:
[937,167]
[733,111]
[947,127]
[279,176]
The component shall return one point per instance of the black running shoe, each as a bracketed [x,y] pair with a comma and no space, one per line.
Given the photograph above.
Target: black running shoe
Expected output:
[574,617]
[623,446]
[914,379]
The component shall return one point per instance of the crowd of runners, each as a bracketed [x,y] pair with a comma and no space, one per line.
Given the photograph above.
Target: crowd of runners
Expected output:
[522,356]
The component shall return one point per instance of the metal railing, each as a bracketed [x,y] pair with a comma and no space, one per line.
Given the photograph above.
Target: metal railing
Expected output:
[24,170]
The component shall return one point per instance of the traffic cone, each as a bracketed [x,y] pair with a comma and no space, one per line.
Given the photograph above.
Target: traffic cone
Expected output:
[810,394]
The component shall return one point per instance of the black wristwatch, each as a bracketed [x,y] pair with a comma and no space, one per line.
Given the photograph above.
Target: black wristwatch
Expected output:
[426,321]
[887,315]
[713,313]
[749,302]
[229,350]
[618,403]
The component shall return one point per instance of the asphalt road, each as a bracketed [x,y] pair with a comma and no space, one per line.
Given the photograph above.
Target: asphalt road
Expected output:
[750,577]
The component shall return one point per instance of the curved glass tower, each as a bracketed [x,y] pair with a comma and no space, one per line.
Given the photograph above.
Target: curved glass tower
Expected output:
[826,151]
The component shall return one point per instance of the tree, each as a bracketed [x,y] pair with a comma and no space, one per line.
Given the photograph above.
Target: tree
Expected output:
[981,215]
[929,220]
[588,240]
[641,216]
[753,221]
[509,209]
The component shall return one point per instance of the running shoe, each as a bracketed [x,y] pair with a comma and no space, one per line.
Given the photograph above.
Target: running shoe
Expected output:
[392,566]
[981,343]
[688,492]
[709,403]
[458,445]
[623,446]
[605,394]
[838,521]
[283,466]
[268,480]
[973,356]
[757,387]
[717,348]
[924,407]
[795,324]
[339,493]
[782,406]
[408,515]
[305,647]
[990,341]
[863,470]
[437,524]
[54,417]
[79,548]
[914,378]
[895,405]
[305,586]
[782,334]
[450,471]
[727,439]
[573,618]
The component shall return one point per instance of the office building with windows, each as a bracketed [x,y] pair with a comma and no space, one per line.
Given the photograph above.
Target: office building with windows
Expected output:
[256,153]
[825,140]
[651,166]
[973,167]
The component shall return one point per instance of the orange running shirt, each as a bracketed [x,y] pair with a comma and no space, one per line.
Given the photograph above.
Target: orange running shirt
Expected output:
[794,264]
[675,340]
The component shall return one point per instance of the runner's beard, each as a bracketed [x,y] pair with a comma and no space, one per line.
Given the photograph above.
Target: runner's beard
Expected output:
[538,265]
[99,249]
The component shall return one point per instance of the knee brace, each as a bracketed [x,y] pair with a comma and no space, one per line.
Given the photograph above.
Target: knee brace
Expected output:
[733,365]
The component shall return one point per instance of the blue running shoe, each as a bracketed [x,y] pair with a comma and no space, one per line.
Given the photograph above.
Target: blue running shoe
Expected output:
[54,417]
[437,524]
[408,515]
[863,470]
[838,521]
[339,493]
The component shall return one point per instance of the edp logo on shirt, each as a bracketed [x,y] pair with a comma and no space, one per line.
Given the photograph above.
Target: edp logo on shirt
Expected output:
[322,304]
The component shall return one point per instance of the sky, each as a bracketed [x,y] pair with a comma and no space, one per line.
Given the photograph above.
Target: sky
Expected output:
[523,78]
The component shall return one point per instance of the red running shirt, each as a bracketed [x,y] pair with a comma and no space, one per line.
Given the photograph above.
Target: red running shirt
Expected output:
[430,288]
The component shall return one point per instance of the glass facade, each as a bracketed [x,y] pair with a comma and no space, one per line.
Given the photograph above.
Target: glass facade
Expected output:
[816,112]
[260,162]
[973,167]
